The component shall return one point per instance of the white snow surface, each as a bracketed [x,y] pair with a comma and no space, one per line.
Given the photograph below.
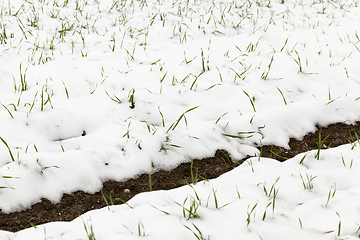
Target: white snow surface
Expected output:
[102,90]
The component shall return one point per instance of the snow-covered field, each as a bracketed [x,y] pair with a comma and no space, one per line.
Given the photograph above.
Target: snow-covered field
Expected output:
[92,90]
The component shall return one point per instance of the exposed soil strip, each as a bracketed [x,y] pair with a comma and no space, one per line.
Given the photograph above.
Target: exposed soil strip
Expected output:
[71,206]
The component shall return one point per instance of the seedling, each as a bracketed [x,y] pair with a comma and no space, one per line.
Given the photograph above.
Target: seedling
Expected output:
[301,226]
[162,117]
[261,149]
[241,135]
[33,103]
[48,99]
[190,212]
[62,147]
[272,194]
[131,97]
[237,192]
[141,229]
[283,97]
[236,136]
[358,231]
[308,182]
[113,40]
[284,44]
[152,170]
[251,100]
[90,233]
[272,152]
[343,161]
[204,62]
[161,210]
[241,76]
[44,168]
[320,144]
[252,47]
[196,78]
[66,91]
[248,219]
[114,98]
[174,125]
[353,142]
[221,79]
[251,165]
[131,54]
[107,204]
[8,110]
[303,158]
[125,202]
[188,61]
[23,83]
[193,179]
[265,74]
[199,235]
[7,146]
[216,201]
[264,215]
[339,225]
[331,194]
[298,62]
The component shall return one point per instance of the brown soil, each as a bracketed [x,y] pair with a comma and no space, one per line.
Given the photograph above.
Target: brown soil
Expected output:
[71,206]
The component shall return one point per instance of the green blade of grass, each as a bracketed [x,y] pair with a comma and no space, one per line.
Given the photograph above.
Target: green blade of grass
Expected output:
[7,146]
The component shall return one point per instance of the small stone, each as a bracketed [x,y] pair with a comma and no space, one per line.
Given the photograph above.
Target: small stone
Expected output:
[126,191]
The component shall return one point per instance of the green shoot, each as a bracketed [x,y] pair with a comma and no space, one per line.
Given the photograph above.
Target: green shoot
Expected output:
[62,147]
[66,91]
[331,194]
[237,192]
[199,235]
[141,229]
[298,62]
[90,233]
[7,146]
[125,202]
[264,215]
[32,225]
[339,225]
[220,117]
[152,170]
[308,182]
[264,75]
[248,219]
[7,110]
[284,44]
[282,95]
[221,79]
[303,158]
[190,212]
[193,179]
[240,135]
[251,100]
[204,62]
[115,98]
[272,152]
[174,125]
[132,98]
[162,117]
[107,204]
[216,201]
[196,78]
[161,210]
[320,144]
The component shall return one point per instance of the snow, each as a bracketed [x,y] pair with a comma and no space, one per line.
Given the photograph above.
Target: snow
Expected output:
[201,75]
